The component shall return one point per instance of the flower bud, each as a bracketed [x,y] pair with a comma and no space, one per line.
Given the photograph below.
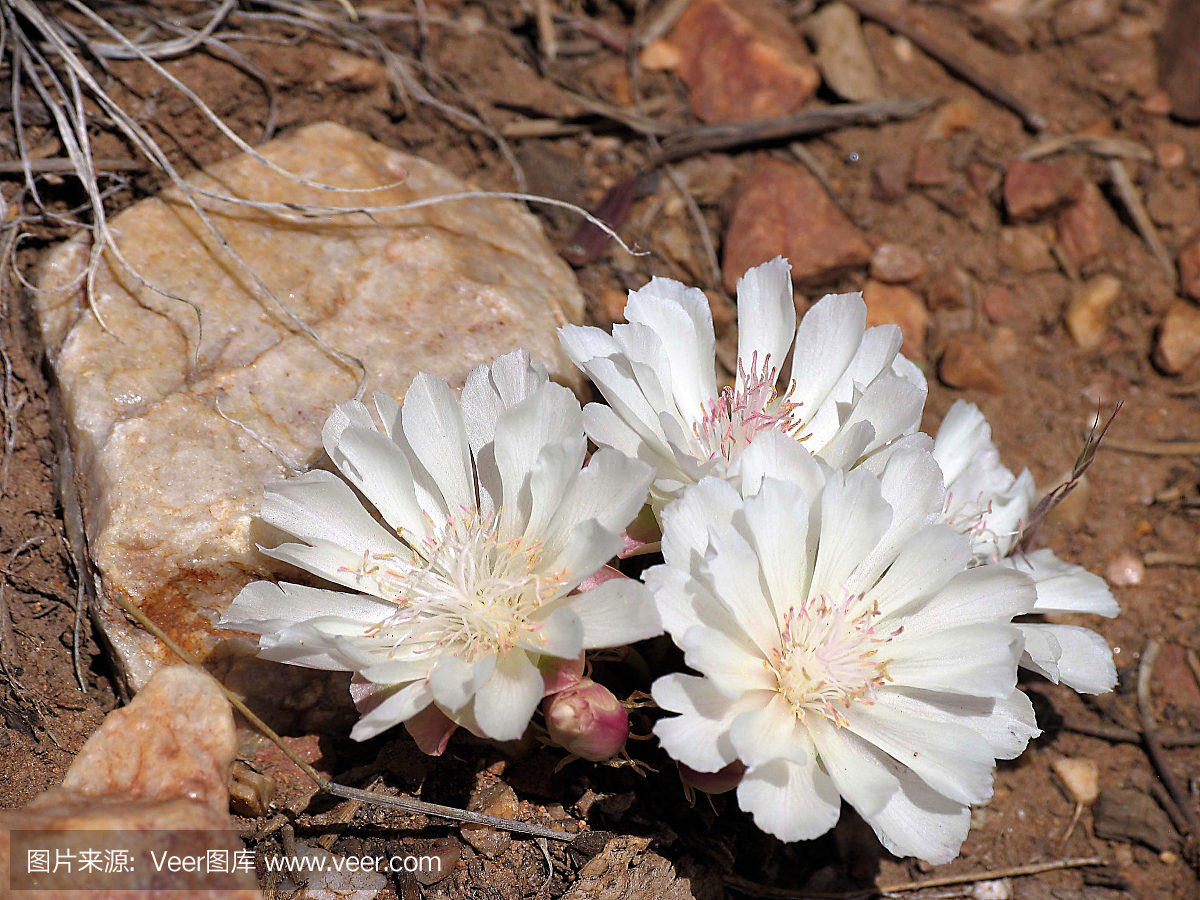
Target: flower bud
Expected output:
[718,782]
[587,720]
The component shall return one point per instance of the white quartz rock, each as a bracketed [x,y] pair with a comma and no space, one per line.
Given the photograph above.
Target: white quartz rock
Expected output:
[168,483]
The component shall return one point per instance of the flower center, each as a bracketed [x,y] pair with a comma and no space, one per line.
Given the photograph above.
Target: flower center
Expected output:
[734,418]
[465,591]
[830,657]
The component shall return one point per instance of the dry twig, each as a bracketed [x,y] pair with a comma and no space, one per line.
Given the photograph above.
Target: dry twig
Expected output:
[1155,448]
[1141,218]
[1106,147]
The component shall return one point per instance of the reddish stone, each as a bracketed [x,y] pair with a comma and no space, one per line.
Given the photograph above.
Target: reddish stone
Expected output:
[742,60]
[1189,267]
[1178,343]
[967,363]
[948,289]
[897,263]
[890,177]
[784,211]
[1087,225]
[893,304]
[1178,61]
[931,164]
[1032,189]
[984,179]
[997,300]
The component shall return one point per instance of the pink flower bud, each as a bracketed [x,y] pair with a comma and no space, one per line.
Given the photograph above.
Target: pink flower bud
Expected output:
[718,782]
[587,720]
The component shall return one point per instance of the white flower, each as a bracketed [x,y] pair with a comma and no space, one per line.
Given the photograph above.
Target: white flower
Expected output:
[847,648]
[849,393]
[488,524]
[987,503]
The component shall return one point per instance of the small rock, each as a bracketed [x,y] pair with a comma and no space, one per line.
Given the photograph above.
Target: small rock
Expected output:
[903,48]
[1121,814]
[967,363]
[996,889]
[1167,858]
[626,868]
[1170,155]
[495,798]
[1157,104]
[612,302]
[1087,313]
[1071,511]
[896,264]
[1032,189]
[1178,344]
[742,60]
[951,118]
[784,210]
[324,880]
[1125,569]
[842,53]
[897,305]
[983,178]
[447,851]
[250,792]
[1003,344]
[660,55]
[1086,226]
[1079,17]
[1178,61]
[931,165]
[947,290]
[889,177]
[1024,251]
[354,72]
[159,764]
[1189,267]
[1081,778]
[997,300]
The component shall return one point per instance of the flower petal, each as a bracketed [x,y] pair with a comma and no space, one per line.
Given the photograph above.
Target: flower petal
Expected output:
[1063,587]
[699,736]
[505,702]
[732,567]
[1084,663]
[854,516]
[433,426]
[766,315]
[610,491]
[686,522]
[1007,725]
[791,801]
[979,660]
[730,667]
[769,733]
[923,567]
[984,594]
[777,519]
[454,681]
[826,341]
[402,705]
[618,612]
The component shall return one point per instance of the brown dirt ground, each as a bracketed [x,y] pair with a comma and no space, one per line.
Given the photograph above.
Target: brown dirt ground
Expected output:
[1097,83]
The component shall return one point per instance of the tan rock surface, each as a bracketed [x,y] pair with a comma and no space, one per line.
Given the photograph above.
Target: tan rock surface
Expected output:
[159,764]
[627,870]
[170,482]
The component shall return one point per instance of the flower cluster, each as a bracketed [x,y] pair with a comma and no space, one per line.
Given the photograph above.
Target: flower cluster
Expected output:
[850,595]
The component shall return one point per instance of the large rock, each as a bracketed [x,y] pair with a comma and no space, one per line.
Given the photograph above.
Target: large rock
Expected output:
[742,60]
[174,430]
[784,211]
[153,772]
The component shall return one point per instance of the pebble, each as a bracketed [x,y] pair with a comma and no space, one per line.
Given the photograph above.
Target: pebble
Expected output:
[889,176]
[495,798]
[1125,570]
[996,889]
[1032,189]
[967,363]
[1087,313]
[1023,250]
[842,53]
[1178,344]
[897,305]
[1189,266]
[172,485]
[931,164]
[1086,226]
[952,117]
[660,55]
[1170,155]
[250,792]
[997,301]
[1076,18]
[741,60]
[897,263]
[784,211]
[1003,343]
[353,72]
[1157,104]
[447,851]
[947,289]
[159,764]
[612,302]
[1178,62]
[1081,778]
